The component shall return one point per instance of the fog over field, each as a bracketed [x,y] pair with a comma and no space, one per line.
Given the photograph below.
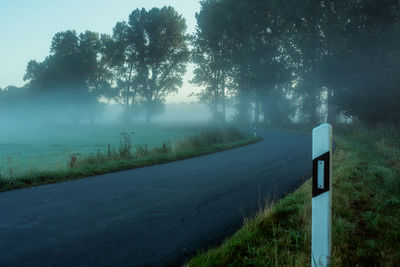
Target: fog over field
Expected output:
[263,63]
[45,137]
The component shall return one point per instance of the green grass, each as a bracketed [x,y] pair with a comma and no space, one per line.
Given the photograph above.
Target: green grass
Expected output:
[366,212]
[49,148]
[130,157]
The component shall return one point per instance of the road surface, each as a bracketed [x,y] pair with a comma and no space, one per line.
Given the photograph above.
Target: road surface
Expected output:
[151,216]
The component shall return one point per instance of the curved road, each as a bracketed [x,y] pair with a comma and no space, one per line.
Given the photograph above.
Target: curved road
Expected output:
[149,216]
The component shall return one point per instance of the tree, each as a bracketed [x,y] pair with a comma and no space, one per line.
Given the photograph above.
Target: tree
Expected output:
[270,70]
[308,37]
[211,55]
[150,56]
[372,62]
[240,45]
[239,30]
[71,64]
[70,76]
[124,58]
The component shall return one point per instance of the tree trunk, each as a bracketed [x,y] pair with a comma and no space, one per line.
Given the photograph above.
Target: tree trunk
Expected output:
[313,109]
[331,116]
[223,101]
[243,108]
[214,112]
[127,107]
[256,112]
[313,98]
[149,107]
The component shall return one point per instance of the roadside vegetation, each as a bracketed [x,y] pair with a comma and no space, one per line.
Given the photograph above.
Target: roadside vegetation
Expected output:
[366,211]
[130,156]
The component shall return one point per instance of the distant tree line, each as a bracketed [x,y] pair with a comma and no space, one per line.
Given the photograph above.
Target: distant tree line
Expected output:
[137,66]
[275,61]
[308,61]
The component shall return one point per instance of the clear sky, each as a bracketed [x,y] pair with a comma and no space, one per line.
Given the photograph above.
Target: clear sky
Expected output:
[27,27]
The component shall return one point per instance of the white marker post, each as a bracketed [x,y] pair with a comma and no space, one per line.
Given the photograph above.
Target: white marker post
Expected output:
[321,195]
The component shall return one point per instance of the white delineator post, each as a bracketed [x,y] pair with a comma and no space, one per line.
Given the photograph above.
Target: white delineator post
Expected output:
[321,195]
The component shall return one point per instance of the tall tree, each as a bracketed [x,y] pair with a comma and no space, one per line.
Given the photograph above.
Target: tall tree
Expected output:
[150,56]
[309,34]
[269,65]
[69,72]
[335,21]
[372,62]
[211,55]
[240,44]
[124,57]
[163,55]
[240,23]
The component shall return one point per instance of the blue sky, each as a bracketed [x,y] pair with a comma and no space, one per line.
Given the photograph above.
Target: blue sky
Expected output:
[27,27]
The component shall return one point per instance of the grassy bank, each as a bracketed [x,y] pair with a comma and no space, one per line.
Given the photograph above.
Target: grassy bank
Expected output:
[366,212]
[130,156]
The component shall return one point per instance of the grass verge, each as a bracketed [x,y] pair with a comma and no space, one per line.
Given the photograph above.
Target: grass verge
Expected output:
[130,157]
[366,212]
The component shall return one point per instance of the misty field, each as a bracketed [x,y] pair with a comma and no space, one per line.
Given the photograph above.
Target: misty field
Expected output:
[27,151]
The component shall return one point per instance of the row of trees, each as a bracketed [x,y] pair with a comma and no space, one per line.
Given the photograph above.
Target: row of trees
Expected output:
[137,66]
[303,60]
[280,61]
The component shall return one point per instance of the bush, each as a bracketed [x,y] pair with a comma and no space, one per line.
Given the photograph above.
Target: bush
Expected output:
[211,137]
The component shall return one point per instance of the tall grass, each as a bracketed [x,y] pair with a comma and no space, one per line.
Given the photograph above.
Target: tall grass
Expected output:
[366,212]
[129,156]
[209,138]
[128,151]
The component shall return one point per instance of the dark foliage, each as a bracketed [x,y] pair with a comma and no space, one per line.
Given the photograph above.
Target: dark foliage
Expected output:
[274,61]
[303,60]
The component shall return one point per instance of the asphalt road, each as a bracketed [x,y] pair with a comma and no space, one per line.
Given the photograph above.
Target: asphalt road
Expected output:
[151,216]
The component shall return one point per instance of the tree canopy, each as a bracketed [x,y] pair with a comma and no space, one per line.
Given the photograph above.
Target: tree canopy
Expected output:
[276,62]
[300,60]
[149,57]
[138,66]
